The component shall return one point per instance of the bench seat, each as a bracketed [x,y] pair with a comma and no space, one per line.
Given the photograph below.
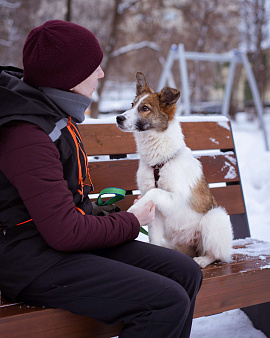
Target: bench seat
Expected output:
[243,282]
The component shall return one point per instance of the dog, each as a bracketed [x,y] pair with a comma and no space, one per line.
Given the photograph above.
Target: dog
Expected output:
[188,218]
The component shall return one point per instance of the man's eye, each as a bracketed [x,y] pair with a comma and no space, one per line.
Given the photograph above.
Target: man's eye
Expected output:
[145,108]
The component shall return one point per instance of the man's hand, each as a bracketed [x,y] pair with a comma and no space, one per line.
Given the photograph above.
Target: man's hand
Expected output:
[145,213]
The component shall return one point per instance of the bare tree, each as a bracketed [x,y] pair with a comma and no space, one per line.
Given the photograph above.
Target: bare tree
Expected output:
[68,15]
[255,17]
[135,34]
[116,17]
[14,28]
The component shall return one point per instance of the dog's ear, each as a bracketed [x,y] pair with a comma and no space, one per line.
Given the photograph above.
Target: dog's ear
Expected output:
[168,96]
[142,85]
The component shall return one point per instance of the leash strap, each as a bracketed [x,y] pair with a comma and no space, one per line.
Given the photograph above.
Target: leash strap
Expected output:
[143,231]
[118,193]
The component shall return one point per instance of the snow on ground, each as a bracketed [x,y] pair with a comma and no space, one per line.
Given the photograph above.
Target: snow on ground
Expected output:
[230,324]
[254,166]
[254,163]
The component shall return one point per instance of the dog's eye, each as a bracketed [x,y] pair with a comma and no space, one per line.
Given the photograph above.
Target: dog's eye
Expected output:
[132,104]
[145,108]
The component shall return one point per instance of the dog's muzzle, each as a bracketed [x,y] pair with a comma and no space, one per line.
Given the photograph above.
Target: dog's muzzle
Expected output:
[120,119]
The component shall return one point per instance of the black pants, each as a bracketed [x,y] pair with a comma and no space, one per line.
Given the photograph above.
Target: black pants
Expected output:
[151,289]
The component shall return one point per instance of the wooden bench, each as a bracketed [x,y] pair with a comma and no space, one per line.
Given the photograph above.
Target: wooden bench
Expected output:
[242,283]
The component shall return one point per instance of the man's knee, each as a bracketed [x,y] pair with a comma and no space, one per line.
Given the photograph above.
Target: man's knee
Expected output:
[175,302]
[186,272]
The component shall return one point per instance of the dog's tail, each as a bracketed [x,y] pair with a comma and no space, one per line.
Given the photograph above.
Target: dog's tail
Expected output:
[217,234]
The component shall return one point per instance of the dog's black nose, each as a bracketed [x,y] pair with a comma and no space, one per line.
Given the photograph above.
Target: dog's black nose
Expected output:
[120,119]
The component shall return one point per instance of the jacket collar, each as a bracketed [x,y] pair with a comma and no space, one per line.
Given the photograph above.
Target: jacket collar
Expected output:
[71,103]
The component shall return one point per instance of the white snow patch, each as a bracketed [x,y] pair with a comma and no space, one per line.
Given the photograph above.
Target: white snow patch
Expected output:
[253,247]
[265,267]
[213,140]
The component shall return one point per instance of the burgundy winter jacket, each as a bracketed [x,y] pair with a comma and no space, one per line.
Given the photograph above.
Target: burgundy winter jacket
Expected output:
[31,162]
[39,222]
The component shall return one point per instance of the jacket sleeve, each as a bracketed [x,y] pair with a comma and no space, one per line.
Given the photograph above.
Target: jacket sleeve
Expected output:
[32,164]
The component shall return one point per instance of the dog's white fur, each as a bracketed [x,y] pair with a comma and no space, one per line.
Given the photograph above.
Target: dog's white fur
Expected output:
[205,236]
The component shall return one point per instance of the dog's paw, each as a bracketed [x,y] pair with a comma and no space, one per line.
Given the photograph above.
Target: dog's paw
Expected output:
[139,204]
[203,261]
[132,208]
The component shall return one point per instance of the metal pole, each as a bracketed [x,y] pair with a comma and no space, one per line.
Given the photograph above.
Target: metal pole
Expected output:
[229,84]
[184,78]
[166,73]
[256,96]
[212,57]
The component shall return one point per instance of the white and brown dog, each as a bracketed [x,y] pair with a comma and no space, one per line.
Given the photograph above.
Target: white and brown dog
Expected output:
[187,218]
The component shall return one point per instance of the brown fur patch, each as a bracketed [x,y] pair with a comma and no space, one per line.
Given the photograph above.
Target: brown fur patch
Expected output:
[150,110]
[202,200]
[170,111]
[167,100]
[160,106]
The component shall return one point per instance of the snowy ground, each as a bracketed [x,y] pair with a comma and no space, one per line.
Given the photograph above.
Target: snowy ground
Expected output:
[254,163]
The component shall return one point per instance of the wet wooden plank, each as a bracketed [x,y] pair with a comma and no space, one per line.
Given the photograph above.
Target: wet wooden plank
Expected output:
[218,168]
[47,323]
[233,287]
[207,135]
[104,139]
[231,198]
[223,196]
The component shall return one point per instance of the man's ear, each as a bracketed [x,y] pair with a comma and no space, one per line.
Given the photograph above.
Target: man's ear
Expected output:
[142,85]
[168,96]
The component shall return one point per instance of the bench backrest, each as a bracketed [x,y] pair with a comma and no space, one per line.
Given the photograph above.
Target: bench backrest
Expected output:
[211,141]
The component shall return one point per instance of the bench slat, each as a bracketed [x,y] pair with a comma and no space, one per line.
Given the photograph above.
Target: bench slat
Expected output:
[47,323]
[234,285]
[218,168]
[223,196]
[107,139]
[207,135]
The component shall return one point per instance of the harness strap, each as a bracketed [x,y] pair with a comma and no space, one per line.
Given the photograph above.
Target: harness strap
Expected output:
[157,168]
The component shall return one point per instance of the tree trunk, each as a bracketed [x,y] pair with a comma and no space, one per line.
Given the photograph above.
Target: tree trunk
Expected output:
[68,12]
[107,58]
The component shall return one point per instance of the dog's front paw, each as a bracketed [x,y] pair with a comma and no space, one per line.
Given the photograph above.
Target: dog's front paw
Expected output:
[132,208]
[203,261]
[138,204]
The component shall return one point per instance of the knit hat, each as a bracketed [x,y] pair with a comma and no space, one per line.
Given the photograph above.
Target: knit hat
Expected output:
[60,54]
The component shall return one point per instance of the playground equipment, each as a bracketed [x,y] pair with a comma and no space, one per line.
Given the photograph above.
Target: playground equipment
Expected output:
[178,53]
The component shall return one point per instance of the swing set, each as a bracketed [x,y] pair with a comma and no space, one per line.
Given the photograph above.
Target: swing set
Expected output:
[178,53]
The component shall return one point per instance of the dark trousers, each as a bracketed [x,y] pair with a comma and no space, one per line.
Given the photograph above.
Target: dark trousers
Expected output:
[150,288]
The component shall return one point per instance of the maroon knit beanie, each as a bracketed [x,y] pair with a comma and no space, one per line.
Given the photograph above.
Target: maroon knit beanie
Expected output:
[60,54]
